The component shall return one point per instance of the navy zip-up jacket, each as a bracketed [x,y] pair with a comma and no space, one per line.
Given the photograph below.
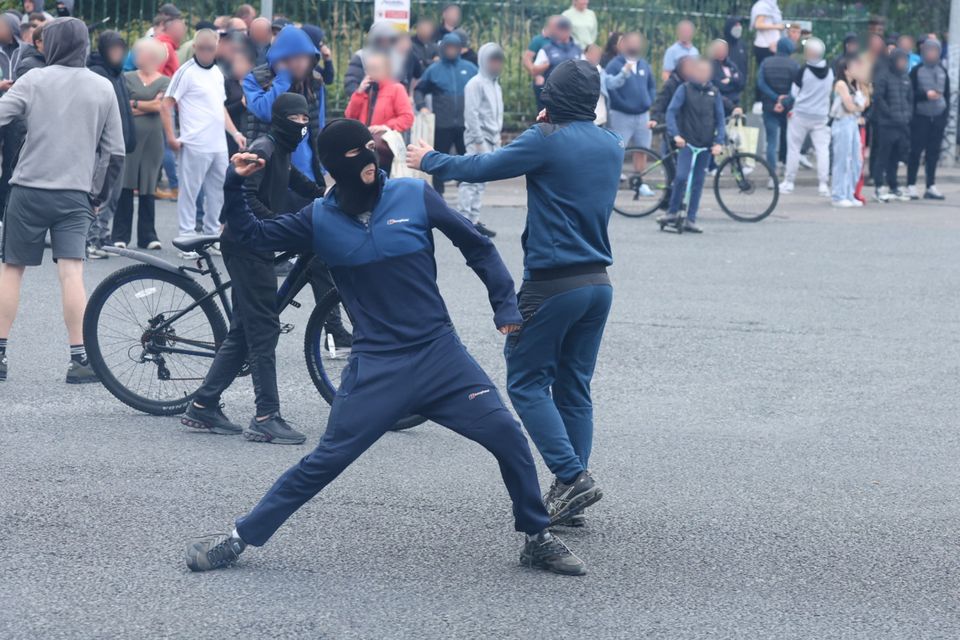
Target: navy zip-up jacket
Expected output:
[384,269]
[445,80]
[573,172]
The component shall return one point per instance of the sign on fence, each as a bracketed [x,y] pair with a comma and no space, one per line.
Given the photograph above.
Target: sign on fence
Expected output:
[396,12]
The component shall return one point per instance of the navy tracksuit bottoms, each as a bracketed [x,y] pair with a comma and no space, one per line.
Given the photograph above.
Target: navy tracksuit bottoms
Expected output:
[550,365]
[438,380]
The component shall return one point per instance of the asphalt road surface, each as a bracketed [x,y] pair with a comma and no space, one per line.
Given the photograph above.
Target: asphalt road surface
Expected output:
[777,438]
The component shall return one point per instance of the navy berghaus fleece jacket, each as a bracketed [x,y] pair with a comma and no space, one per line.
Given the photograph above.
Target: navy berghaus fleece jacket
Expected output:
[384,269]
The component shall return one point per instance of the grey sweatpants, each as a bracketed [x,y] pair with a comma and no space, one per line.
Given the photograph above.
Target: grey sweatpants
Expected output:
[470,194]
[799,126]
[201,170]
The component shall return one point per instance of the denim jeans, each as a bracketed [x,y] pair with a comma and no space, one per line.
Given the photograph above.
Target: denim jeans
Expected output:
[772,125]
[847,158]
[685,165]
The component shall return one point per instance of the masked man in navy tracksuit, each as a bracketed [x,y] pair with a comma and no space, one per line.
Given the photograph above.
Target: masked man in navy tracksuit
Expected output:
[376,234]
[573,172]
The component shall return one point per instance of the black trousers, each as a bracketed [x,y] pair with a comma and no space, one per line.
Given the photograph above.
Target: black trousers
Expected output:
[893,143]
[443,140]
[926,138]
[11,139]
[253,335]
[146,218]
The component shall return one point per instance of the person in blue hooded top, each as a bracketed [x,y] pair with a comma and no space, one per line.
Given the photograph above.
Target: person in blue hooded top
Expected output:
[377,235]
[572,169]
[290,66]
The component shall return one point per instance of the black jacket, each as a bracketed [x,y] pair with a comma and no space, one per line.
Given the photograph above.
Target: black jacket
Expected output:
[426,52]
[737,80]
[98,65]
[30,58]
[738,51]
[892,99]
[658,111]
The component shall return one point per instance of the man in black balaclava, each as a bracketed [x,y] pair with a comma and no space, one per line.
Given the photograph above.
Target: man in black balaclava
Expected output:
[376,234]
[107,61]
[572,169]
[255,326]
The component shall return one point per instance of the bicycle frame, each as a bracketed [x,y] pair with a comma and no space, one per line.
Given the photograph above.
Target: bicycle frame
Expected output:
[292,285]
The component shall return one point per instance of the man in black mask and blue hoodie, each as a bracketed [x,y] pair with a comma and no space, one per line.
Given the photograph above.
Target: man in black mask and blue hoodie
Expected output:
[376,235]
[566,293]
[255,326]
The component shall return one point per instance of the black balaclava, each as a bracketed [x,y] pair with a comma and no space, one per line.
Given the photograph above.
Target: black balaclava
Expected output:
[571,92]
[286,133]
[338,137]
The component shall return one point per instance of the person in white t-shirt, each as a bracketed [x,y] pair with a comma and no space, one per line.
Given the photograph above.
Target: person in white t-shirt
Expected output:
[197,92]
[767,20]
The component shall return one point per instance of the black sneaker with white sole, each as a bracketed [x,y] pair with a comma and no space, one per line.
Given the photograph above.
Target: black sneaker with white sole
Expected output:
[214,551]
[210,419]
[546,551]
[564,501]
[274,430]
[80,373]
[3,368]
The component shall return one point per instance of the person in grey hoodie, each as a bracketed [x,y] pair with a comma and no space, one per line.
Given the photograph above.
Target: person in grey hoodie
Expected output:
[11,136]
[811,93]
[64,174]
[931,100]
[483,122]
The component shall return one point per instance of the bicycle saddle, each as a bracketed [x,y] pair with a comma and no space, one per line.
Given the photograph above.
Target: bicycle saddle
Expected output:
[194,243]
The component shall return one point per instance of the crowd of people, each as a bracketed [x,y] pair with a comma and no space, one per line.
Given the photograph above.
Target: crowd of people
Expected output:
[233,119]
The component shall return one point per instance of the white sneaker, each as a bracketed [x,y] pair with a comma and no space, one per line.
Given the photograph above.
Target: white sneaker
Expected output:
[843,204]
[645,191]
[188,255]
[900,195]
[154,245]
[932,193]
[823,190]
[856,203]
[215,249]
[805,162]
[912,192]
[786,187]
[120,245]
[883,195]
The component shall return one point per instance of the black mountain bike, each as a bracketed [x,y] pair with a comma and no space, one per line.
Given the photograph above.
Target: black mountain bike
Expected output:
[744,185]
[151,330]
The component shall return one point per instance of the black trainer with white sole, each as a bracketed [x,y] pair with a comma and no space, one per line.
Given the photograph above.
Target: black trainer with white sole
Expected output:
[274,430]
[546,551]
[564,501]
[210,419]
[214,551]
[78,373]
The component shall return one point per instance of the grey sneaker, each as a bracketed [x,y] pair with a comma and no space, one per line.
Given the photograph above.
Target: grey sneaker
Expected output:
[566,500]
[213,551]
[210,419]
[80,373]
[546,551]
[274,430]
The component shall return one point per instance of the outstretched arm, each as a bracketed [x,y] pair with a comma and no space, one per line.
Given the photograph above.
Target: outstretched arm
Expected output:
[285,232]
[522,156]
[482,257]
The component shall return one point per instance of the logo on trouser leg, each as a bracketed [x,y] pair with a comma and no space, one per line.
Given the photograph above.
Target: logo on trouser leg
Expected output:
[477,394]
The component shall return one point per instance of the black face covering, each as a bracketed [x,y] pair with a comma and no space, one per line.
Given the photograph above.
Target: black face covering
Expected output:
[285,132]
[336,139]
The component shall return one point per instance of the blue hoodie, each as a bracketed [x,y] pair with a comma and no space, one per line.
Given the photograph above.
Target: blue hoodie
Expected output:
[573,173]
[290,42]
[445,80]
[631,93]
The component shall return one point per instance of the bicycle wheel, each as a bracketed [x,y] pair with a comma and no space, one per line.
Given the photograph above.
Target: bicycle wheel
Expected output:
[144,359]
[326,362]
[644,183]
[746,187]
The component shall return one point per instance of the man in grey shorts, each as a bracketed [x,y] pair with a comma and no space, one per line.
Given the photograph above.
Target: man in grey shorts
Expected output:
[71,158]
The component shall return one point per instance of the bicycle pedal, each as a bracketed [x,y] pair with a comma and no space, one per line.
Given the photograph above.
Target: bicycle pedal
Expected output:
[286,328]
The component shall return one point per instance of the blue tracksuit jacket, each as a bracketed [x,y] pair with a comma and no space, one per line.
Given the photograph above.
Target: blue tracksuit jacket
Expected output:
[384,270]
[573,172]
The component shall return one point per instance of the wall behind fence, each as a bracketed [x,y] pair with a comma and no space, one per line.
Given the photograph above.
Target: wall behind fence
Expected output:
[512,23]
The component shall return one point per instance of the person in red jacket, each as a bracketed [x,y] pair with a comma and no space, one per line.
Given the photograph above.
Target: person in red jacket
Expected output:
[169,30]
[380,102]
